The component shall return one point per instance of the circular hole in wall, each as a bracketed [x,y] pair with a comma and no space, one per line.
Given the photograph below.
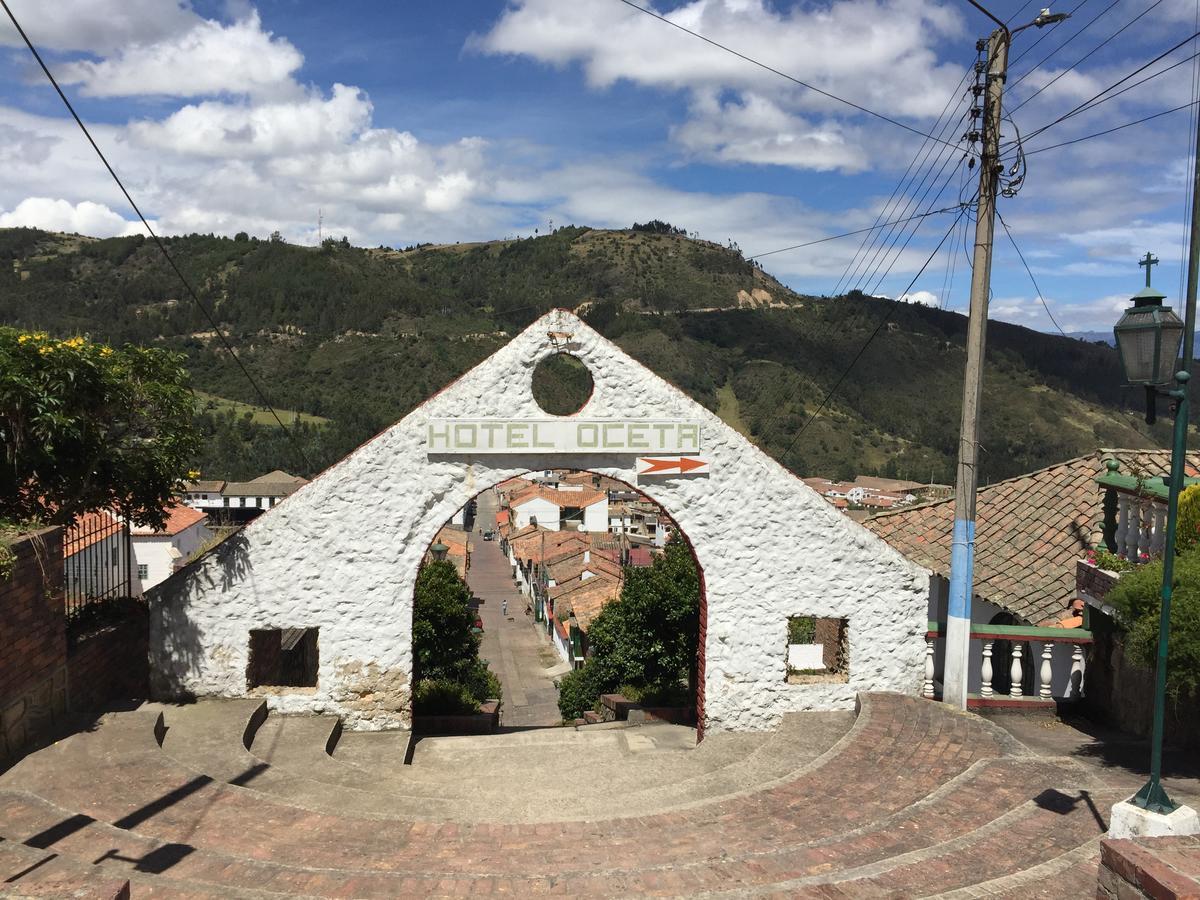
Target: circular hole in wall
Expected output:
[562,384]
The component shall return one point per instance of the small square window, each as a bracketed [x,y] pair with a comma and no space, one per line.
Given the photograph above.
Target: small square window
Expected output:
[818,650]
[283,657]
[143,571]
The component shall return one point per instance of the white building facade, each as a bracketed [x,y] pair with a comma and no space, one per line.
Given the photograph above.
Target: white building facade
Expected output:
[340,557]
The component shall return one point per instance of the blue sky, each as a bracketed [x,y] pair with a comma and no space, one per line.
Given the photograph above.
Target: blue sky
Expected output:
[464,120]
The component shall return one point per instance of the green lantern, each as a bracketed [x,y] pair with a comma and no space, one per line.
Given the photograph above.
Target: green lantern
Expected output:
[1148,338]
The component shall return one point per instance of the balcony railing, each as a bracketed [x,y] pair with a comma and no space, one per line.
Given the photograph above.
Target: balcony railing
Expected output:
[1038,666]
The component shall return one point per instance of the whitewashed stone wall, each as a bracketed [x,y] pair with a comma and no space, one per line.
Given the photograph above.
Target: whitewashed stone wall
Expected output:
[342,554]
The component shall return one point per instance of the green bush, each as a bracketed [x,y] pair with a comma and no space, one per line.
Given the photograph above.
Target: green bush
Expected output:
[577,693]
[482,683]
[1187,525]
[440,697]
[801,629]
[1137,600]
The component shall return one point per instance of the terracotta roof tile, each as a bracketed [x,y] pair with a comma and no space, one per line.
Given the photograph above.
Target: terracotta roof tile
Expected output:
[1030,530]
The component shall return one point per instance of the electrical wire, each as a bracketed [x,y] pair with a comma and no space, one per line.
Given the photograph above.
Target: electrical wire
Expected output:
[774,71]
[1082,58]
[1045,34]
[1093,101]
[904,179]
[1190,185]
[158,241]
[905,200]
[834,237]
[1029,272]
[1085,27]
[891,308]
[1088,137]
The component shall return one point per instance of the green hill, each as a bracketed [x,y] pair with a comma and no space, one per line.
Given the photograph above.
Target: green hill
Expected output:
[360,336]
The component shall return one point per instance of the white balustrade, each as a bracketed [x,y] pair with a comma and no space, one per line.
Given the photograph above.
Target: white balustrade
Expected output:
[1075,686]
[985,670]
[1044,674]
[930,647]
[1015,672]
[1141,526]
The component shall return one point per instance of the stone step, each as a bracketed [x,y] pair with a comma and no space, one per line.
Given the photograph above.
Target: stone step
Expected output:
[131,793]
[956,822]
[85,850]
[288,755]
[29,872]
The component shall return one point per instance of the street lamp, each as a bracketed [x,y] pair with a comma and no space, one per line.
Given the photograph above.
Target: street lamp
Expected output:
[1148,340]
[439,551]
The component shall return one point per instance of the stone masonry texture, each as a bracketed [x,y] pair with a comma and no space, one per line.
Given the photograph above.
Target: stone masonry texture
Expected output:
[342,553]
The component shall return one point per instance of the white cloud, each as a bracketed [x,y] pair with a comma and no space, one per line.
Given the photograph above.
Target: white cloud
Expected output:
[757,130]
[925,298]
[245,130]
[207,58]
[853,49]
[97,26]
[84,217]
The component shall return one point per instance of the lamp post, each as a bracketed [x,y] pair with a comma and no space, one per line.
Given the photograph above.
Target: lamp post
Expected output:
[439,551]
[1148,341]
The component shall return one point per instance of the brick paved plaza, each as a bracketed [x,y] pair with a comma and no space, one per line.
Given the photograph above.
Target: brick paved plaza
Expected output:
[908,798]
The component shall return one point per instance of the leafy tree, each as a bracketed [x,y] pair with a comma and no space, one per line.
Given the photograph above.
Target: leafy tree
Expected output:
[86,427]
[445,649]
[646,639]
[1137,599]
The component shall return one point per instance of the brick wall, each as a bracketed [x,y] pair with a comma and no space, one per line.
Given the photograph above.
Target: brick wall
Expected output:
[1165,868]
[33,651]
[110,664]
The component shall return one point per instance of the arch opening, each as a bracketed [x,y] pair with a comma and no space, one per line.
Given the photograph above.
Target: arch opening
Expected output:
[546,561]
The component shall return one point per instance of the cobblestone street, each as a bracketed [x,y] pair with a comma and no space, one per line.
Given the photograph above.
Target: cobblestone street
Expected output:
[517,650]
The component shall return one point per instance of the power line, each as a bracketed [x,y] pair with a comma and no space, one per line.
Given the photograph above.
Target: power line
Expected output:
[187,285]
[774,71]
[1088,137]
[1084,57]
[1092,101]
[1029,272]
[863,349]
[1088,25]
[834,237]
[904,179]
[1045,34]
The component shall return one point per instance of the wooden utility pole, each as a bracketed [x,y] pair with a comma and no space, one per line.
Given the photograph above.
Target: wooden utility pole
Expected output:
[962,553]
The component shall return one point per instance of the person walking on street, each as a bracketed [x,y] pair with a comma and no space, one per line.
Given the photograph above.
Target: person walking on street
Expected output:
[504,607]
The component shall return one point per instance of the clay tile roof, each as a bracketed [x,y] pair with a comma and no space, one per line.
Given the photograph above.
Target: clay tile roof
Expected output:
[1030,530]
[571,565]
[586,600]
[179,518]
[88,529]
[558,498]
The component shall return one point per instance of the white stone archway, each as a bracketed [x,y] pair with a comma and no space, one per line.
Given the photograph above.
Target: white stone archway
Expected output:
[342,554]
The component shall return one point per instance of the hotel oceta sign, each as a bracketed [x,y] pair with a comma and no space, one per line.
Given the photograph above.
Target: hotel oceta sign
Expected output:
[638,436]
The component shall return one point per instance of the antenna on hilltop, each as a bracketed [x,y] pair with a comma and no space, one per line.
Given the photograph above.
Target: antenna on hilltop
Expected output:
[320,226]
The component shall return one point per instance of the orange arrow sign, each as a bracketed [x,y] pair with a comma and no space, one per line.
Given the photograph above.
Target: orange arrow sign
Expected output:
[655,466]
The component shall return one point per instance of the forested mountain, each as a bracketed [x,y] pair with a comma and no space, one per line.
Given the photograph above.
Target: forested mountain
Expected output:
[360,336]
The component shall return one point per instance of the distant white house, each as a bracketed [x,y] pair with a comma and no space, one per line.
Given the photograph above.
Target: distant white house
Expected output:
[158,553]
[241,501]
[577,509]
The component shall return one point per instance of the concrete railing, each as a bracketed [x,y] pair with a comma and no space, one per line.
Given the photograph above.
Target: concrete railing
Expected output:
[1053,656]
